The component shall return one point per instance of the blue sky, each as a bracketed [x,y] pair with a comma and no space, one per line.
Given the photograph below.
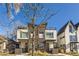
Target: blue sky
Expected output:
[65,13]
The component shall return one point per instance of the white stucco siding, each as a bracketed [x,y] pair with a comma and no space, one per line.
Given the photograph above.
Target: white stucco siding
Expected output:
[41,35]
[4,45]
[51,45]
[67,39]
[67,35]
[18,34]
[61,39]
[61,35]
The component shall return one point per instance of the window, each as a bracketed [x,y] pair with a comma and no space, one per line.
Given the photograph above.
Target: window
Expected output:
[73,46]
[23,34]
[49,34]
[17,45]
[71,29]
[41,34]
[73,38]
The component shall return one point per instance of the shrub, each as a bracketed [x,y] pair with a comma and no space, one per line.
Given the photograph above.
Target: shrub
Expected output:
[38,53]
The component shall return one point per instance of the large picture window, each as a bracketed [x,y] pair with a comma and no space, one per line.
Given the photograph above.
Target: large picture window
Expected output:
[49,35]
[23,34]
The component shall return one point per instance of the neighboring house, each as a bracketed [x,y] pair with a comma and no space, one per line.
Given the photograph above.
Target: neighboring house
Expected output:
[11,46]
[42,36]
[67,38]
[77,29]
[3,43]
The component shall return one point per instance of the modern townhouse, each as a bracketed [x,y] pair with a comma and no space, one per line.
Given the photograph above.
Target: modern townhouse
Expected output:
[50,39]
[68,38]
[23,38]
[44,39]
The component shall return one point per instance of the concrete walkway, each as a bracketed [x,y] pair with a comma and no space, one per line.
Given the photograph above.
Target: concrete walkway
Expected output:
[23,54]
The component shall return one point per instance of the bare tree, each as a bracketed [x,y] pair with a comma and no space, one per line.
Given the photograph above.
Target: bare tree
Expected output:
[33,12]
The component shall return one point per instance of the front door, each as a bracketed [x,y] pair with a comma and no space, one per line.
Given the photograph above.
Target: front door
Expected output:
[26,47]
[73,47]
[47,47]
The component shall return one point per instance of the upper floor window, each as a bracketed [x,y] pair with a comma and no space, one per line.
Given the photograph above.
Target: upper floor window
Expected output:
[71,29]
[41,34]
[73,38]
[23,34]
[49,35]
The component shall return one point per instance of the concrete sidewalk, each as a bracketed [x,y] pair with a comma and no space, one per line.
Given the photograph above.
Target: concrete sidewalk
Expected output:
[59,54]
